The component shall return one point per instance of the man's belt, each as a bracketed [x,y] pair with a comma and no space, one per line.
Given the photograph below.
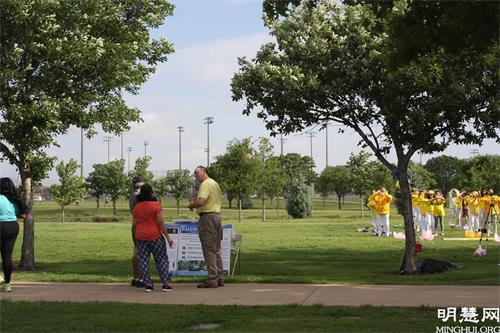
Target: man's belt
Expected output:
[206,213]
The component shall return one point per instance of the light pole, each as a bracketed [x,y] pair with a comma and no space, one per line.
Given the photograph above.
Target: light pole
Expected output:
[81,153]
[208,121]
[129,149]
[108,139]
[146,143]
[180,129]
[326,144]
[121,147]
[311,136]
[282,141]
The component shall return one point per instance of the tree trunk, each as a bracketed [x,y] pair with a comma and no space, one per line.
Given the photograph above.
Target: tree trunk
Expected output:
[98,206]
[62,213]
[28,248]
[339,197]
[114,207]
[263,210]
[239,209]
[362,206]
[410,254]
[178,207]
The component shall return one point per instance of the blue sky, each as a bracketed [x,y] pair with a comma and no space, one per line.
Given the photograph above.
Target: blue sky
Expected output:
[208,36]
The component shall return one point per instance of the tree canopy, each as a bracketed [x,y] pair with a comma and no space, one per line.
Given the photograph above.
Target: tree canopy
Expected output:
[67,63]
[329,63]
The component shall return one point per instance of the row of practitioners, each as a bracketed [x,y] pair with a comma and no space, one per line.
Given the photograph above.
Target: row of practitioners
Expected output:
[150,235]
[470,210]
[474,209]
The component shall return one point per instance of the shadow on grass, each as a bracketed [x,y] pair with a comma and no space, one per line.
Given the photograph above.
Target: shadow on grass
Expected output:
[304,265]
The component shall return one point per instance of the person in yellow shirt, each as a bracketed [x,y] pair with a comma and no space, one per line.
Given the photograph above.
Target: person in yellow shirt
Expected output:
[454,198]
[473,207]
[438,202]
[489,204]
[422,210]
[383,201]
[208,207]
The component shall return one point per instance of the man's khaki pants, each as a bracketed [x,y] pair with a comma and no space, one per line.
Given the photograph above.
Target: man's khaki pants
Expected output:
[210,232]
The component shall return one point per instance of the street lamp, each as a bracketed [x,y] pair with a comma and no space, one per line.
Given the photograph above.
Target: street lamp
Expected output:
[81,153]
[108,139]
[282,141]
[311,136]
[121,146]
[129,149]
[208,121]
[180,129]
[146,143]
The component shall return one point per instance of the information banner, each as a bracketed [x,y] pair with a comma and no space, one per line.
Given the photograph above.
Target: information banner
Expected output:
[186,255]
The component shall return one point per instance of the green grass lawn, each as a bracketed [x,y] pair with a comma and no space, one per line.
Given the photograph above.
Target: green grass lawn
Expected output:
[321,249]
[118,317]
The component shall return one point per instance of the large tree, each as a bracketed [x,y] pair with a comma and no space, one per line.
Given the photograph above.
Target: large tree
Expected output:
[328,64]
[67,63]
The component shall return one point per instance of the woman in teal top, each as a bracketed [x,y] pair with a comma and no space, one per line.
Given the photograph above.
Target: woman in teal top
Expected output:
[11,207]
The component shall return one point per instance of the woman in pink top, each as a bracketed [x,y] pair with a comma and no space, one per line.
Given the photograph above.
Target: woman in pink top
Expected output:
[150,234]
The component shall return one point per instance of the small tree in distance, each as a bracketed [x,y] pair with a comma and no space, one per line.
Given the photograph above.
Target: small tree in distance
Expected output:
[178,184]
[70,188]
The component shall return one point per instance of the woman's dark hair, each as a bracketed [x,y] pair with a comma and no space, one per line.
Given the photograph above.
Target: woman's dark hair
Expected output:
[8,189]
[146,194]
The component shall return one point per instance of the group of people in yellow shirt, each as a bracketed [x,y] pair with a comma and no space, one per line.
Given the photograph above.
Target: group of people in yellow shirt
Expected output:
[428,207]
[468,210]
[474,209]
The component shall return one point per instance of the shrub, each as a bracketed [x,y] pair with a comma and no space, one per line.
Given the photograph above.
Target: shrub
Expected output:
[299,203]
[105,219]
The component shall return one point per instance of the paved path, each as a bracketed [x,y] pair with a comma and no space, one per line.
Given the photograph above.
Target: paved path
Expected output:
[263,294]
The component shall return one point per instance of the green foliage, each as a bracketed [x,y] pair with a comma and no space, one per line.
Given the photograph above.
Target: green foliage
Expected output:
[178,184]
[237,169]
[70,188]
[299,204]
[141,169]
[115,182]
[446,171]
[334,179]
[295,165]
[329,63]
[482,172]
[246,202]
[420,177]
[360,173]
[68,63]
[77,59]
[96,180]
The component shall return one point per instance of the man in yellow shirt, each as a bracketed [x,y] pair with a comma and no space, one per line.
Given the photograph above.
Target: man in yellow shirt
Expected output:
[208,207]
